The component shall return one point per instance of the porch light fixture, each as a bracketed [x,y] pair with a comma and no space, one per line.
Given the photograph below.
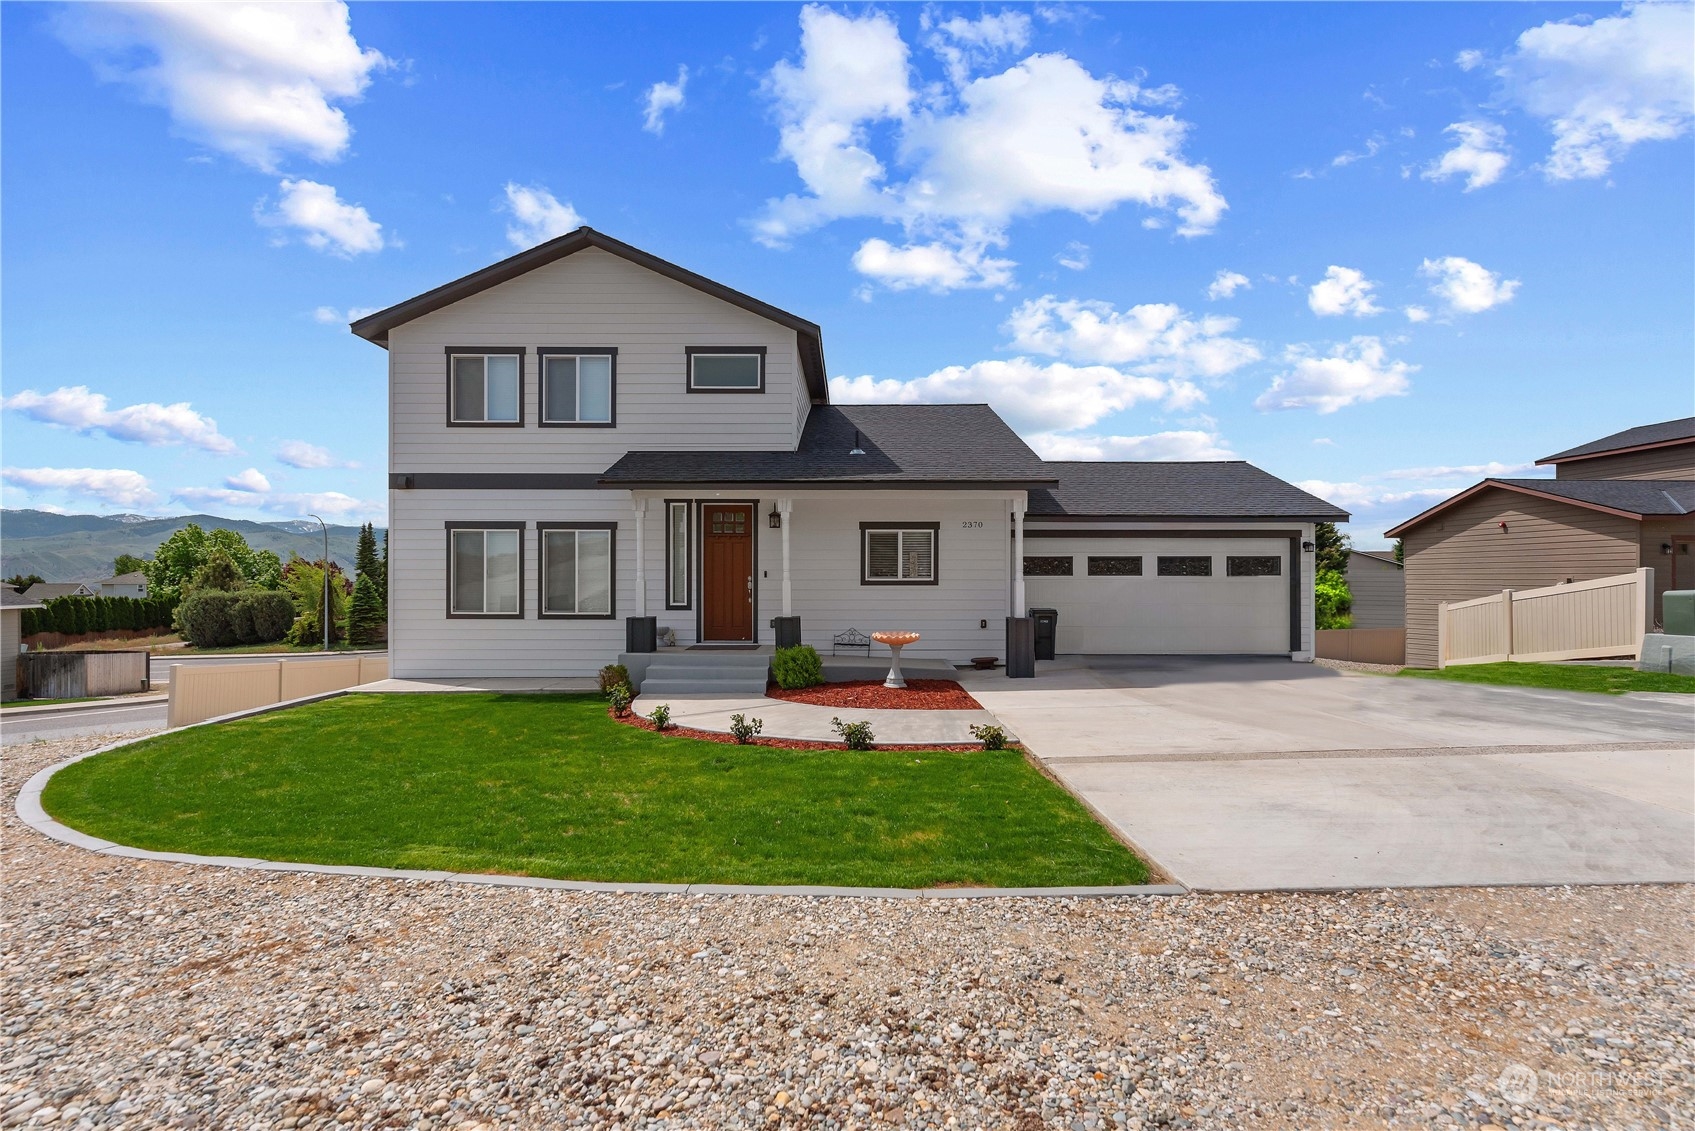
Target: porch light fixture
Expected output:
[857,449]
[1309,547]
[1665,547]
[774,520]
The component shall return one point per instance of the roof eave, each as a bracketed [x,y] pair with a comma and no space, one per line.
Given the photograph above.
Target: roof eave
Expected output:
[1424,516]
[1567,457]
[1072,516]
[899,484]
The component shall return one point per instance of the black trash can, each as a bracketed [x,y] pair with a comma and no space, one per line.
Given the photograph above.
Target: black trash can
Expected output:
[787,630]
[641,634]
[1020,648]
[1047,627]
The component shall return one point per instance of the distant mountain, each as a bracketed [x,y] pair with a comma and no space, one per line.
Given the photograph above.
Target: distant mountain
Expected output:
[72,547]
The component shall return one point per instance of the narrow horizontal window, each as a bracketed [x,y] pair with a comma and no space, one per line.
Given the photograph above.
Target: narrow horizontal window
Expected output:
[577,565]
[894,555]
[484,571]
[1269,566]
[1111,565]
[1188,566]
[577,388]
[718,370]
[1058,565]
[485,388]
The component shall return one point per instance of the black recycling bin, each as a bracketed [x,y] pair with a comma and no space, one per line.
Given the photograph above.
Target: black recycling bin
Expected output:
[641,634]
[787,630]
[1047,626]
[1020,648]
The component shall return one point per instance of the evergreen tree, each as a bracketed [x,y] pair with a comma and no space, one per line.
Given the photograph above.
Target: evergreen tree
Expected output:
[365,557]
[366,618]
[382,581]
[220,572]
[1401,550]
[1332,548]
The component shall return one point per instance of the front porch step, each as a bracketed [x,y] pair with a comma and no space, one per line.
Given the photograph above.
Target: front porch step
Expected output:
[695,685]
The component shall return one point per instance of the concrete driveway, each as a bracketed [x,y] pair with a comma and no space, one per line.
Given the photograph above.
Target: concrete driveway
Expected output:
[1252,774]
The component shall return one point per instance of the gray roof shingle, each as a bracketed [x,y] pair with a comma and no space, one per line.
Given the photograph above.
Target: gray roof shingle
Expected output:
[1638,496]
[1210,489]
[1666,430]
[903,444]
[11,599]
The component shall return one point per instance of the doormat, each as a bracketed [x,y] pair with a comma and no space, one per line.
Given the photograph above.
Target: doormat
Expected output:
[722,648]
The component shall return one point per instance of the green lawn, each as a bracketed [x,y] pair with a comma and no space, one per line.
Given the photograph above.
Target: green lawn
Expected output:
[1562,677]
[549,786]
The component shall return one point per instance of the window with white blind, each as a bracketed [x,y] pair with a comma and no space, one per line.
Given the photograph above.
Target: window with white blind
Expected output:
[484,569]
[485,386]
[578,387]
[577,569]
[898,553]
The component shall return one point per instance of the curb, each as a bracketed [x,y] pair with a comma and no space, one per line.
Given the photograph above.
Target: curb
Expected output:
[29,811]
[99,703]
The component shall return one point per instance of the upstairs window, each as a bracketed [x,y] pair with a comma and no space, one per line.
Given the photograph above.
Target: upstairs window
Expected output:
[726,369]
[577,387]
[485,387]
[483,569]
[899,554]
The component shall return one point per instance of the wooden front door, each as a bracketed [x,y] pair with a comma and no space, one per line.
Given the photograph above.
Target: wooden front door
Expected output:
[726,571]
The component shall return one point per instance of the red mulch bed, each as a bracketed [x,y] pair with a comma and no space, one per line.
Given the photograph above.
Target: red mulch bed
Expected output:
[871,695]
[634,720]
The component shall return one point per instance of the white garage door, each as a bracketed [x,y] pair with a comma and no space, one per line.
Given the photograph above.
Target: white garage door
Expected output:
[1162,596]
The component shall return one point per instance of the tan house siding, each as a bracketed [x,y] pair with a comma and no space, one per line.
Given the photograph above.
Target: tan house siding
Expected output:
[1671,571]
[1675,462]
[11,634]
[1379,590]
[1463,553]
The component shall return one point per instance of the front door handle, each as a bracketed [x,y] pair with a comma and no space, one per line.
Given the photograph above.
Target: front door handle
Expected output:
[750,588]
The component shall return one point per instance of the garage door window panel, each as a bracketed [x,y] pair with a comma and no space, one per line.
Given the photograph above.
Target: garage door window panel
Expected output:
[1114,565]
[1187,565]
[1051,565]
[1253,566]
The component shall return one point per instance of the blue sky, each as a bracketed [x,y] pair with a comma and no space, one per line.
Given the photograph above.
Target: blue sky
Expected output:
[1379,250]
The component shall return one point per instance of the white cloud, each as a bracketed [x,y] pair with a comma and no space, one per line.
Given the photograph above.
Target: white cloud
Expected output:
[1324,441]
[1366,496]
[1479,156]
[1225,284]
[326,222]
[1032,396]
[1469,60]
[115,486]
[1373,146]
[1158,338]
[964,45]
[537,216]
[935,266]
[80,410]
[1416,313]
[1465,470]
[330,316]
[661,98]
[1352,372]
[250,480]
[1606,85]
[253,80]
[1042,135]
[1075,257]
[1466,287]
[1343,290]
[1183,445]
[298,453]
[329,504]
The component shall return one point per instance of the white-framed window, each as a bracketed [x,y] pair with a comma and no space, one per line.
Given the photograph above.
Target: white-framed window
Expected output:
[677,554]
[485,387]
[577,569]
[898,553]
[726,369]
[578,388]
[484,569]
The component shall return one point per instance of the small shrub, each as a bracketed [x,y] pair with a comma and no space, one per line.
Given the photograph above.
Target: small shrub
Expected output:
[208,619]
[743,729]
[613,676]
[262,616]
[858,735]
[797,667]
[620,698]
[660,716]
[991,736]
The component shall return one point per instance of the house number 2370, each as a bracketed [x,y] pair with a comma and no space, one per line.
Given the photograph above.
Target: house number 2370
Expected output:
[971,524]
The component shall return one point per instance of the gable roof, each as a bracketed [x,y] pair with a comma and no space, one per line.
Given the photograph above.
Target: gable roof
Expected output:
[375,327]
[1628,498]
[1387,557]
[11,599]
[904,444]
[47,590]
[1663,434]
[1227,489]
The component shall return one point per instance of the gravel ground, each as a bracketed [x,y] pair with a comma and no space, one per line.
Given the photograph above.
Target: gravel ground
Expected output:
[143,994]
[1356,666]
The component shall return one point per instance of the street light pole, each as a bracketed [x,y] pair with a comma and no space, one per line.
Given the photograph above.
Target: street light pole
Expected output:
[324,606]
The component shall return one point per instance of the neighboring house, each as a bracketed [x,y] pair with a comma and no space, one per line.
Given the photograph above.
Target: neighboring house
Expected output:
[1379,587]
[1615,504]
[585,433]
[12,606]
[47,590]
[122,585]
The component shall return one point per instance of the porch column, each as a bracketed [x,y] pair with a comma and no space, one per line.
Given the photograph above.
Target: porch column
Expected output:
[641,556]
[1018,506]
[786,508]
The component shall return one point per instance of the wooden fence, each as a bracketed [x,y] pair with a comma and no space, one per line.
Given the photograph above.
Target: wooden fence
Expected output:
[206,691]
[1363,645]
[1585,620]
[77,675]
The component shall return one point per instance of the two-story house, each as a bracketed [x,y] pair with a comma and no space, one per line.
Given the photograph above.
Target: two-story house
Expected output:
[1615,504]
[585,433]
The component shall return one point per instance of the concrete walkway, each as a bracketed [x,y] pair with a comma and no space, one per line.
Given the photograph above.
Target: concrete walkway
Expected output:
[807,721]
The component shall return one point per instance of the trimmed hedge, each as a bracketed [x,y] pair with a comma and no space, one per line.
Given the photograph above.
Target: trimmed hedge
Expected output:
[217,619]
[71,615]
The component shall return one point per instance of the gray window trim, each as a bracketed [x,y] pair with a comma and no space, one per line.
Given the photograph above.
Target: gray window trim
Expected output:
[485,351]
[450,527]
[689,353]
[542,529]
[688,553]
[545,352]
[935,529]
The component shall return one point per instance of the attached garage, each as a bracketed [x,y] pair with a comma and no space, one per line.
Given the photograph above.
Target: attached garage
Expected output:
[1174,558]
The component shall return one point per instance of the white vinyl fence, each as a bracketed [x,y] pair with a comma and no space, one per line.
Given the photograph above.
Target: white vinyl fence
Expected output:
[1585,620]
[206,691]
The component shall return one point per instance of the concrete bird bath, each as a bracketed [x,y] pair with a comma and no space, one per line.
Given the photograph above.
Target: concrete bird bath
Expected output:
[896,641]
